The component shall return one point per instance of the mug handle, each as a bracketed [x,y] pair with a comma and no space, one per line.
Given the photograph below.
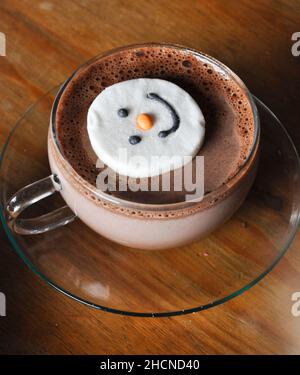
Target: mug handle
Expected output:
[31,194]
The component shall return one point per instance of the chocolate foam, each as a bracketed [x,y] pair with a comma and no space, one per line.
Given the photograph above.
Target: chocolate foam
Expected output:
[226,108]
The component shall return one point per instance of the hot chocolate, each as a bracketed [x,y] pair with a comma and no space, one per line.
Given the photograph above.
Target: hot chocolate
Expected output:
[156,220]
[228,113]
[147,220]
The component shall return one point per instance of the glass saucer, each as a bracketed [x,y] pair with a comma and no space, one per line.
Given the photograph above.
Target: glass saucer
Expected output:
[102,274]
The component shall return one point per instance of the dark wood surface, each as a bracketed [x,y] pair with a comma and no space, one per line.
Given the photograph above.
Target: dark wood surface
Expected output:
[46,41]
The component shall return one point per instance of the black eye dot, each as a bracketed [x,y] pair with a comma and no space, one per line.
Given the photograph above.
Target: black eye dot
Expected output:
[123,112]
[134,139]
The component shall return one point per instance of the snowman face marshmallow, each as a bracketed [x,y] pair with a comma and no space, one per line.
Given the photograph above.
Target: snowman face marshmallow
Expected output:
[154,121]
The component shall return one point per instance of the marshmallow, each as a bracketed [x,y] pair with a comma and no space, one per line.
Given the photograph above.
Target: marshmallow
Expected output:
[145,127]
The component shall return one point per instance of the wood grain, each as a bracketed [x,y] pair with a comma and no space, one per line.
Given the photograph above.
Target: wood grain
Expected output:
[46,41]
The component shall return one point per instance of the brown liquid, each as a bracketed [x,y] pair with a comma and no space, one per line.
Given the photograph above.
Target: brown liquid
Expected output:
[226,108]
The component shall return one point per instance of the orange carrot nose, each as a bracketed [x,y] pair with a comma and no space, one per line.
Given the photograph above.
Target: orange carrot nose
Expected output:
[144,121]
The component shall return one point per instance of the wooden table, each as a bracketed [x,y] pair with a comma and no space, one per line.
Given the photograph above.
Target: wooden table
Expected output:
[46,41]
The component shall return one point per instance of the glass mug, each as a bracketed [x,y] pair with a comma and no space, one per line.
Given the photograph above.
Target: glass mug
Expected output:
[138,225]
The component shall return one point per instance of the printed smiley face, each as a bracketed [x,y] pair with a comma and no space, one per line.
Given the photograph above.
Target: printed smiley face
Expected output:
[154,121]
